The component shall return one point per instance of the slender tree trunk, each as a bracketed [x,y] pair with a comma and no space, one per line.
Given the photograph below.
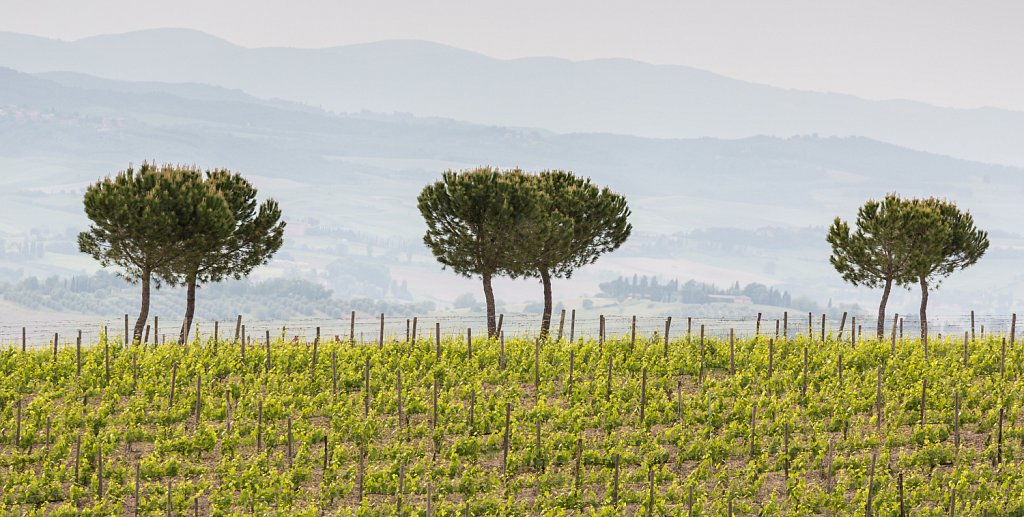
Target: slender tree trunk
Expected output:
[545,322]
[190,310]
[924,311]
[881,309]
[489,301]
[144,310]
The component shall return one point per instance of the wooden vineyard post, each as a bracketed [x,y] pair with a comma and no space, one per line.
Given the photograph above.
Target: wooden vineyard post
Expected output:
[501,321]
[753,429]
[785,325]
[380,339]
[266,344]
[561,325]
[352,329]
[238,327]
[689,329]
[1013,328]
[615,478]
[999,440]
[579,463]
[312,359]
[138,501]
[771,357]
[78,456]
[853,331]
[412,338]
[366,388]
[810,326]
[145,338]
[785,454]
[650,496]
[842,324]
[632,333]
[892,345]
[216,332]
[1002,360]
[643,395]
[901,329]
[243,344]
[600,335]
[757,327]
[174,380]
[869,508]
[408,330]
[437,340]
[106,360]
[702,344]
[572,326]
[899,486]
[823,328]
[23,340]
[839,368]
[99,469]
[125,340]
[668,326]
[78,354]
[469,343]
[776,329]
[156,330]
[972,325]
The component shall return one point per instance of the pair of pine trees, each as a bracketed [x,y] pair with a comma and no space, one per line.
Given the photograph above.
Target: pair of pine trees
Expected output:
[488,222]
[905,242]
[179,226]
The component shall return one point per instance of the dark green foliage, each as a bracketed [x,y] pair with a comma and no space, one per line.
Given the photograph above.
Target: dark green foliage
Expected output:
[472,217]
[572,223]
[254,234]
[881,250]
[950,242]
[144,220]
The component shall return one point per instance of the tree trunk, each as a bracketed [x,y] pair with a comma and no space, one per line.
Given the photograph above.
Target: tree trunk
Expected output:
[144,311]
[545,321]
[881,309]
[190,310]
[489,301]
[924,311]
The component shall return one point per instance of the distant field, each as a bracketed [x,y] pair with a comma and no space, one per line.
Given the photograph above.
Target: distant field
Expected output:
[520,427]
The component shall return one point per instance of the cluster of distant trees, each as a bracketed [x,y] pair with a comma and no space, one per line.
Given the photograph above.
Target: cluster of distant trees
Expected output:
[648,288]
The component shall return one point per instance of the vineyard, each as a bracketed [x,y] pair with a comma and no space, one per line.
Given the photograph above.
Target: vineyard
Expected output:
[463,425]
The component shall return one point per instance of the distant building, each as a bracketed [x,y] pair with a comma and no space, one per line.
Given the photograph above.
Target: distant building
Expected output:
[738,299]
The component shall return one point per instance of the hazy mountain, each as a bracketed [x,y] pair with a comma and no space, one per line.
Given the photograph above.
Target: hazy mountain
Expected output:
[611,95]
[348,183]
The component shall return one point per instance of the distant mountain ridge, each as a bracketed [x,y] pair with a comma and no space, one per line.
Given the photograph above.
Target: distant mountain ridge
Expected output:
[603,96]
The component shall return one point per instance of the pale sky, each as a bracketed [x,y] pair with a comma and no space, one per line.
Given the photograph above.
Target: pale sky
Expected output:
[966,53]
